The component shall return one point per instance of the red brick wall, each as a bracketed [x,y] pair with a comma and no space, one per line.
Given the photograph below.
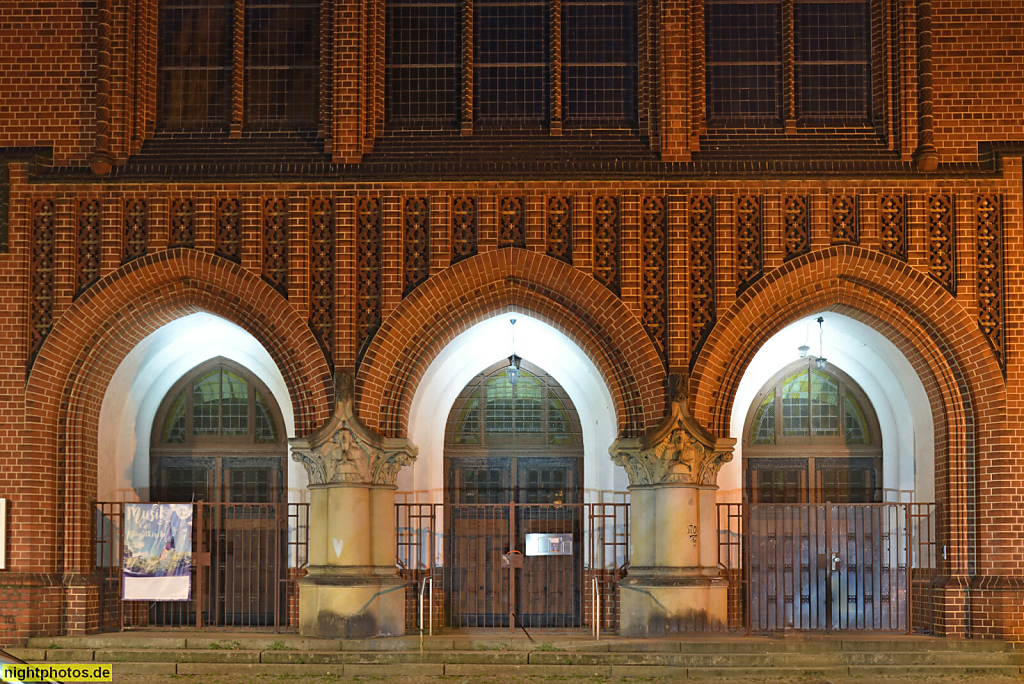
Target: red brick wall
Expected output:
[48,419]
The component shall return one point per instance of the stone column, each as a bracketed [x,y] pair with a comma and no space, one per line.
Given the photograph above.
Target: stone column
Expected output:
[352,588]
[674,583]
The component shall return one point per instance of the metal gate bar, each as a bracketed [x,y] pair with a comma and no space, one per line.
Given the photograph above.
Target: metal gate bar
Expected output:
[828,567]
[470,588]
[247,559]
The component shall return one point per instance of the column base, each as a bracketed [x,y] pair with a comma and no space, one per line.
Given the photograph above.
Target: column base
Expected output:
[661,605]
[338,606]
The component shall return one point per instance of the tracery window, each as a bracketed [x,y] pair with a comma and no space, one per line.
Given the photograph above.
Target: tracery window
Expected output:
[789,61]
[511,64]
[218,436]
[492,412]
[812,436]
[200,75]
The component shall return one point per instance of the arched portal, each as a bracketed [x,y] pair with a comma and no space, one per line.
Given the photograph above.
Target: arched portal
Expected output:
[484,345]
[889,383]
[513,480]
[144,378]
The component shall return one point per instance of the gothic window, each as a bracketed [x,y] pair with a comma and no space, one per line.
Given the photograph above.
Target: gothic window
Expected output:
[812,436]
[525,63]
[491,412]
[789,61]
[206,63]
[218,436]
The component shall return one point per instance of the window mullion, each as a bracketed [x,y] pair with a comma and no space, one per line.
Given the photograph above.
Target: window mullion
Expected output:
[555,66]
[237,70]
[788,67]
[468,28]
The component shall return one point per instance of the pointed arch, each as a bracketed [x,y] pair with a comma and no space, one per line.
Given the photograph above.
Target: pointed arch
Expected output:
[510,280]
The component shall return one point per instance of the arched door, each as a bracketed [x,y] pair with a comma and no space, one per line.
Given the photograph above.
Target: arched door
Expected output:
[824,553]
[218,438]
[514,474]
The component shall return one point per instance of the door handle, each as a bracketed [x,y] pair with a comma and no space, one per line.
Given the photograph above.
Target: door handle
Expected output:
[835,561]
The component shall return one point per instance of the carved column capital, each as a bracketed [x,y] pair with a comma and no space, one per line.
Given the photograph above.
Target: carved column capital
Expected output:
[344,451]
[678,451]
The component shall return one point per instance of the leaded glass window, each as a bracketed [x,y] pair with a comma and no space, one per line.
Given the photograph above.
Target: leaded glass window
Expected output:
[536,410]
[829,446]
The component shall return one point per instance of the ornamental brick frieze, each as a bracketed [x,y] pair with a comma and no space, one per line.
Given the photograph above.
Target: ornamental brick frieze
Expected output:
[844,217]
[346,452]
[678,451]
[464,228]
[321,273]
[135,235]
[275,244]
[990,272]
[182,232]
[941,245]
[892,225]
[559,228]
[749,241]
[654,264]
[88,241]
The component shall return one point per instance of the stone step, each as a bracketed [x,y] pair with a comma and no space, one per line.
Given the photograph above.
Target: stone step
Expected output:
[290,642]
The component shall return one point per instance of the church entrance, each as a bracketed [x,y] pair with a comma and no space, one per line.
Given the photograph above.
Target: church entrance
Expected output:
[218,438]
[823,551]
[514,510]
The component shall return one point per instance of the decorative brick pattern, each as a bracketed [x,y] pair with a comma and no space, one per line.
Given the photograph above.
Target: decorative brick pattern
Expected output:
[749,241]
[464,228]
[892,222]
[844,219]
[559,228]
[368,271]
[89,242]
[416,258]
[990,272]
[511,230]
[941,247]
[135,238]
[275,244]
[182,223]
[796,229]
[607,243]
[228,242]
[653,237]
[703,313]
[321,273]
[41,274]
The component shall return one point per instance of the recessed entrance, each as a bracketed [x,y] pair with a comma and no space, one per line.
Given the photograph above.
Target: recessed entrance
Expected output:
[513,494]
[218,438]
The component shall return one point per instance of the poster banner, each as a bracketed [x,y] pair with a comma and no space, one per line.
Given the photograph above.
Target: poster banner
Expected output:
[157,552]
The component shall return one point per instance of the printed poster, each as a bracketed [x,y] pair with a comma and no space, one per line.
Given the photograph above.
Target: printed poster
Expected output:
[157,560]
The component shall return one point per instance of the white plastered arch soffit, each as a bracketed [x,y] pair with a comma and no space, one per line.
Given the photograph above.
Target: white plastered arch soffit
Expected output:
[483,345]
[145,376]
[888,380]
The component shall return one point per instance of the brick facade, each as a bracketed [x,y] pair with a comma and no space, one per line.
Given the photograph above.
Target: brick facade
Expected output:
[756,232]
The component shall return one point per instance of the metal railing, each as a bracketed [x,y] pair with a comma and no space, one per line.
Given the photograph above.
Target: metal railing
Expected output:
[460,549]
[828,567]
[246,562]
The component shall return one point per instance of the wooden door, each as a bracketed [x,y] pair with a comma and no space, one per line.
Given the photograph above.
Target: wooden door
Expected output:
[478,520]
[549,585]
[493,503]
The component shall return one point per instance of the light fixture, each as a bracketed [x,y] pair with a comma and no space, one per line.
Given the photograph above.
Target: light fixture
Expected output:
[821,360]
[512,372]
[803,348]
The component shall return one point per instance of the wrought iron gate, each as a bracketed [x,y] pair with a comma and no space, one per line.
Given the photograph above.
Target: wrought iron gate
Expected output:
[247,558]
[475,565]
[827,567]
